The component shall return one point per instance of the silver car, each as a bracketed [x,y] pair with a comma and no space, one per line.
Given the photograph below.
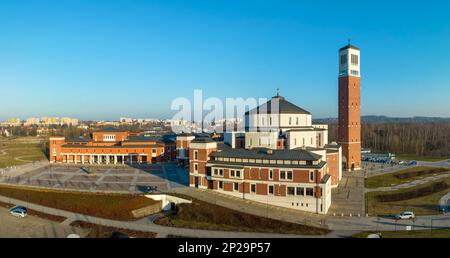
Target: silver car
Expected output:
[19,211]
[406,215]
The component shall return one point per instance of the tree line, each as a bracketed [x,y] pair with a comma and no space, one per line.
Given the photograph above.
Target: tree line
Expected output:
[422,139]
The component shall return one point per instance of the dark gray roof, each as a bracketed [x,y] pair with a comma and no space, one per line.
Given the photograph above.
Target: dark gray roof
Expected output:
[325,178]
[138,138]
[306,129]
[285,107]
[262,153]
[79,140]
[113,146]
[202,139]
[110,129]
[142,138]
[185,134]
[349,46]
[227,164]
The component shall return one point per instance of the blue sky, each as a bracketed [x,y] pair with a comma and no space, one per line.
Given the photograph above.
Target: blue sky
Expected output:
[106,59]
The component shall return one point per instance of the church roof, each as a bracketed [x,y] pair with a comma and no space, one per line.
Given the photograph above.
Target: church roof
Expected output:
[285,107]
[349,46]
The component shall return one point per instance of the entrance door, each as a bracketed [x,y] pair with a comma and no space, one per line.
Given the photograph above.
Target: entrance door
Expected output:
[196,181]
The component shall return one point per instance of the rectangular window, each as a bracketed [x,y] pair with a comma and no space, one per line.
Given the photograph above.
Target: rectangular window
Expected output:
[311,176]
[253,188]
[195,155]
[289,175]
[270,174]
[220,172]
[220,185]
[296,121]
[283,175]
[235,186]
[300,191]
[354,59]
[232,173]
[309,191]
[290,120]
[343,59]
[195,167]
[270,189]
[291,190]
[238,173]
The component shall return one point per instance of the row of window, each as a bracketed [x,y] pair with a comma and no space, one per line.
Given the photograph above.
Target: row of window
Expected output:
[284,175]
[109,137]
[353,59]
[126,150]
[291,191]
[354,72]
[269,161]
[262,121]
[233,173]
[303,141]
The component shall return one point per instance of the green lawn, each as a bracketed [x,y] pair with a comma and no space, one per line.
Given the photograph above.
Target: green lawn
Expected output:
[203,215]
[422,201]
[426,233]
[110,206]
[19,151]
[419,158]
[402,176]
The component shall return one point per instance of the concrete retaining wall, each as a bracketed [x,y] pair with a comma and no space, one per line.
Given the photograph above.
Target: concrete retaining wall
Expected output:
[146,211]
[167,199]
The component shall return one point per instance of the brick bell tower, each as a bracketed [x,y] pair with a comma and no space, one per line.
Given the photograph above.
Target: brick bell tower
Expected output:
[349,128]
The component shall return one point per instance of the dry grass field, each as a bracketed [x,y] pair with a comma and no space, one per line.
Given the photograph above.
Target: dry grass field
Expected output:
[203,215]
[422,199]
[403,176]
[19,151]
[98,231]
[110,206]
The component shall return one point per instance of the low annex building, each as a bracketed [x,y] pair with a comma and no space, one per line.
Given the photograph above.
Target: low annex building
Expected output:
[112,146]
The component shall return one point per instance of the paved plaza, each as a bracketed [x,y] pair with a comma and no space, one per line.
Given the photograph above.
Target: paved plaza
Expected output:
[125,178]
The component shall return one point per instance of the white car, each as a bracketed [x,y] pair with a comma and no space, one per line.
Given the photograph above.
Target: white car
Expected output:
[405,215]
[19,211]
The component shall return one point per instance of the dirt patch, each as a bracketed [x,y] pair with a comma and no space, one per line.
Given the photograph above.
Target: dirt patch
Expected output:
[416,193]
[98,231]
[423,172]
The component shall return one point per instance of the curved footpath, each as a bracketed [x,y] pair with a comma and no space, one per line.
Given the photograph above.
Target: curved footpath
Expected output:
[145,224]
[343,227]
[410,184]
[444,202]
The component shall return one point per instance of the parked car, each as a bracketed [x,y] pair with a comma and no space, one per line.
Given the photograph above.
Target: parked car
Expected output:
[19,211]
[119,235]
[405,215]
[412,163]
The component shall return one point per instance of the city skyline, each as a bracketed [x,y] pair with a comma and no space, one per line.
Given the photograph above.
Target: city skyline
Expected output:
[140,55]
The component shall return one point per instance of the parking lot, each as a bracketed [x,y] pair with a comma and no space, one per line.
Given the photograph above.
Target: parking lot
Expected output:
[33,227]
[109,179]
